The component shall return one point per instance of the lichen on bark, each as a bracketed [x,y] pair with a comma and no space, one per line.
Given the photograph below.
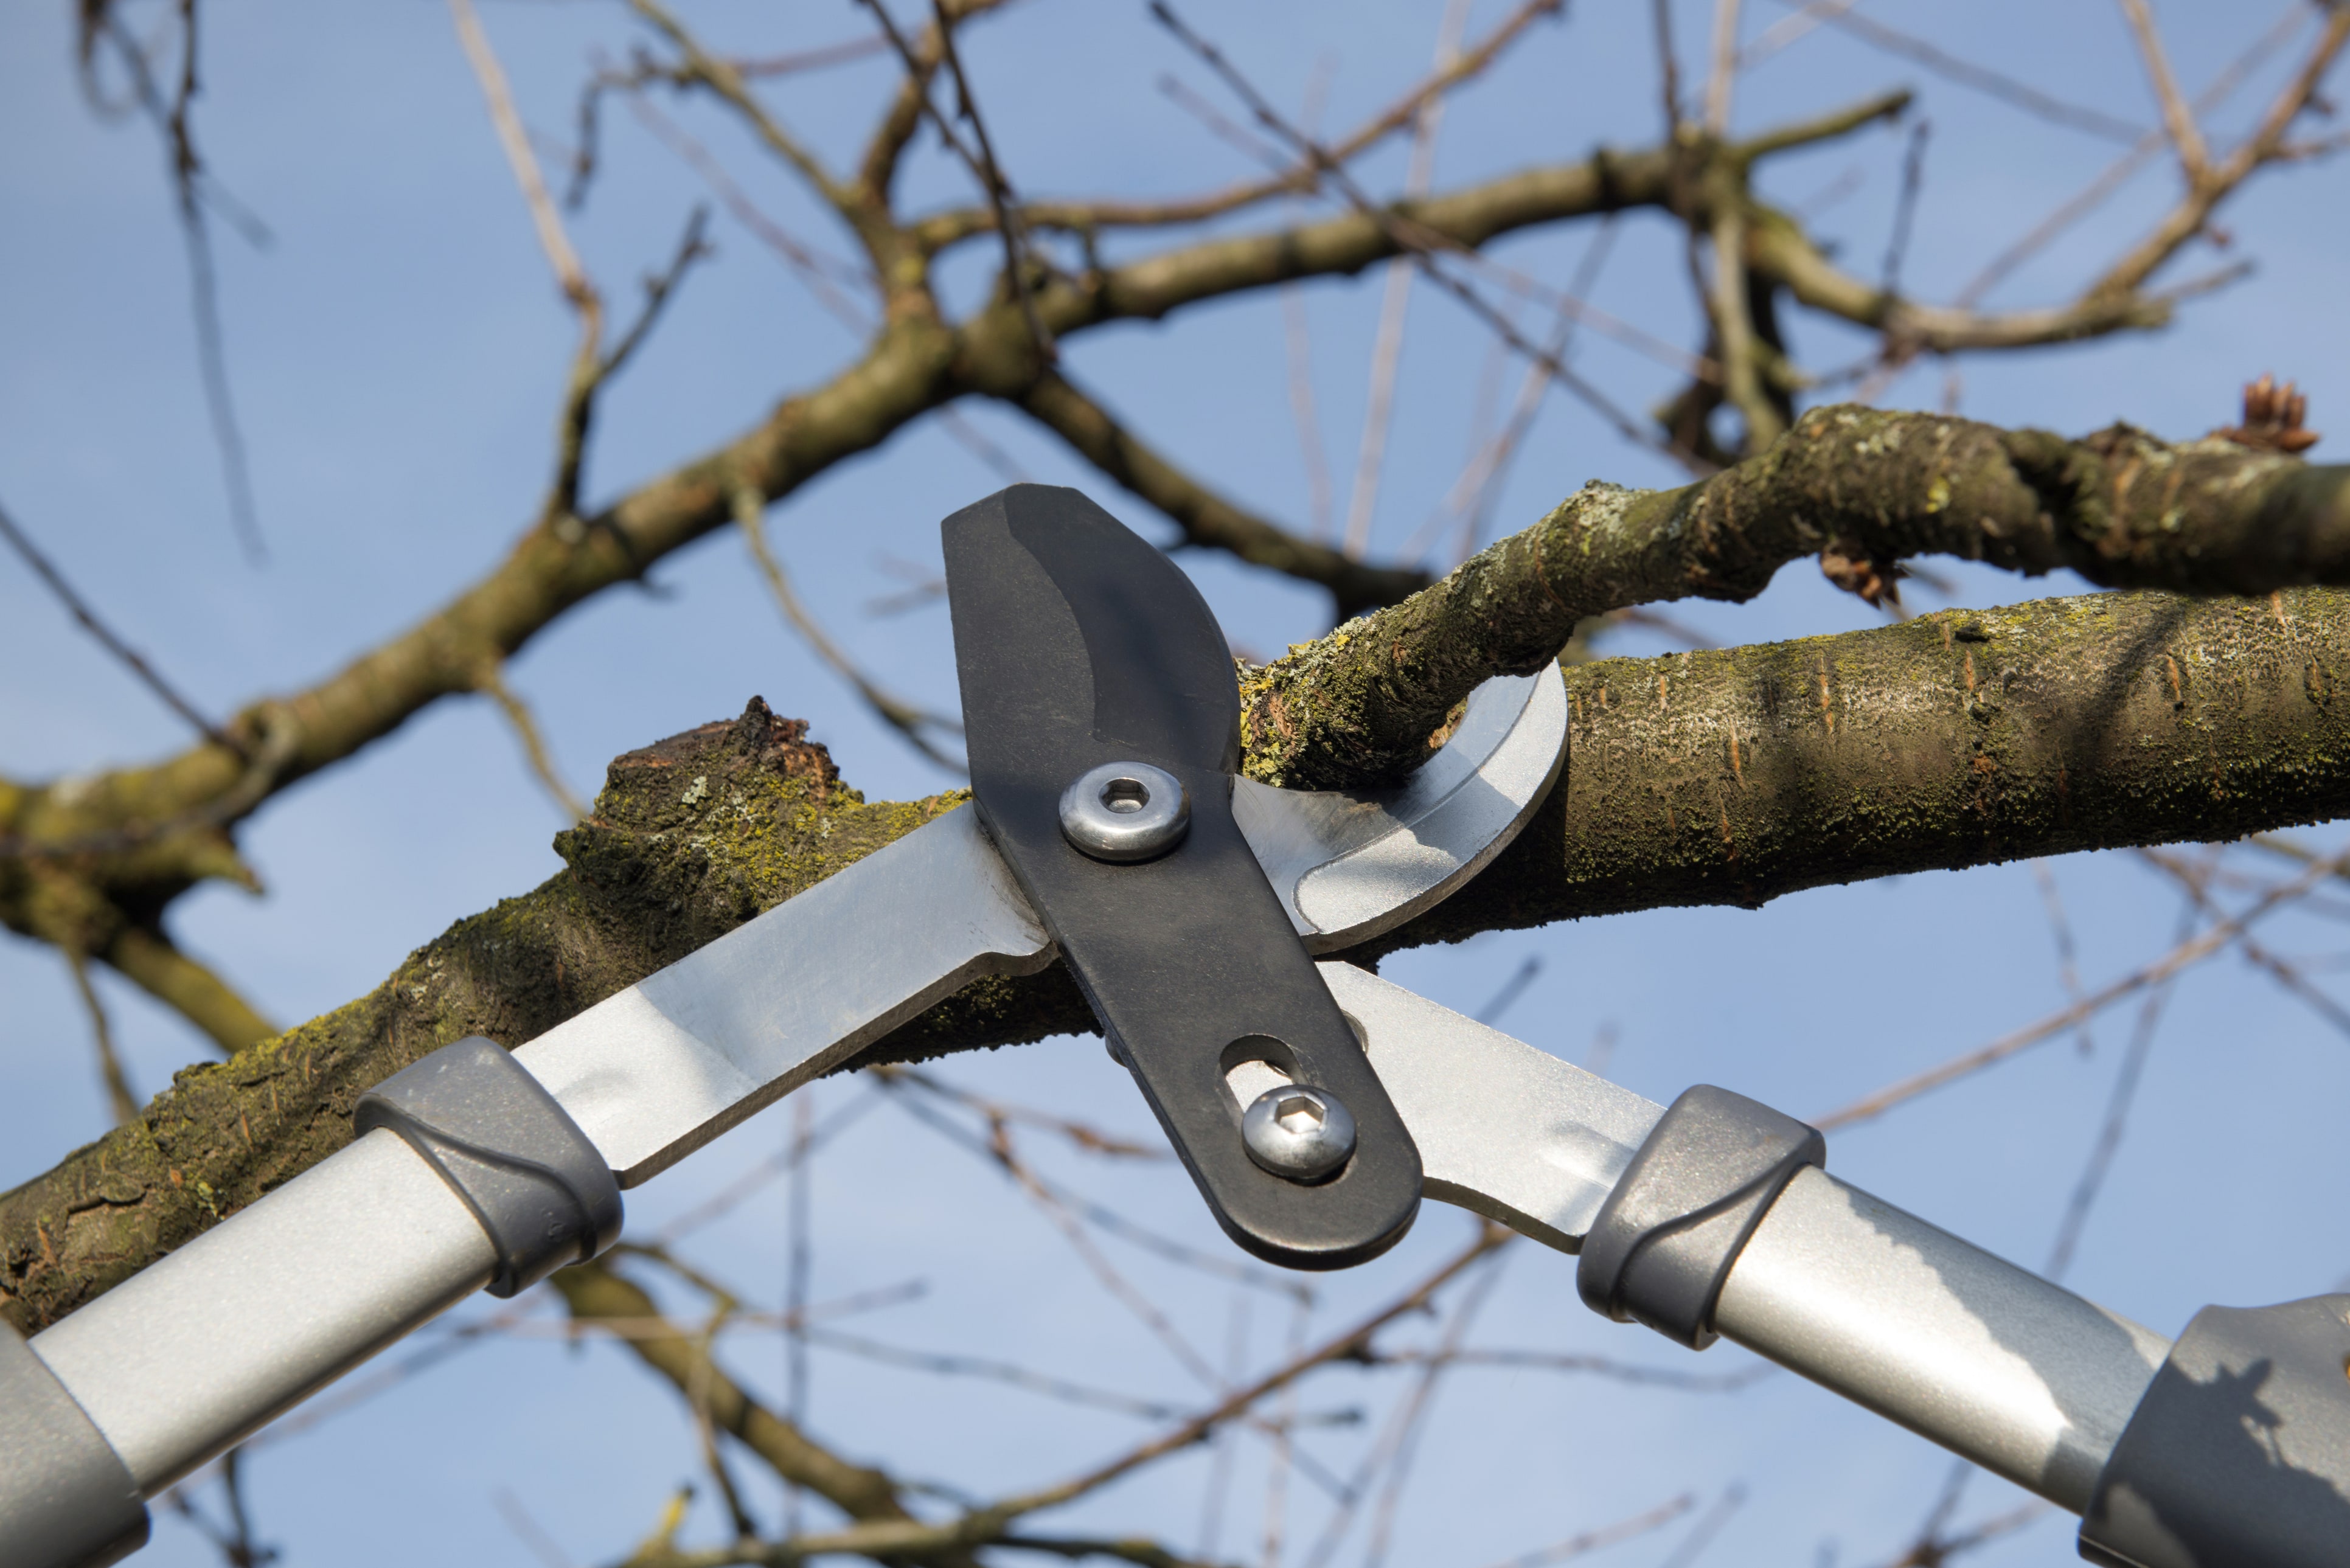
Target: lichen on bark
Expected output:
[1357,706]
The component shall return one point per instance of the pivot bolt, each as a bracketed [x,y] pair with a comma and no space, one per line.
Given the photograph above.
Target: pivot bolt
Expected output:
[1125,812]
[1298,1133]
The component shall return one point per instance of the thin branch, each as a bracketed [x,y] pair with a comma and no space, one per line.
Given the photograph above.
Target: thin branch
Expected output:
[2204,195]
[1184,1435]
[1413,237]
[815,269]
[2177,118]
[121,1098]
[800,1265]
[1000,200]
[1299,179]
[1983,79]
[588,367]
[783,1162]
[569,276]
[490,679]
[1724,75]
[908,720]
[1905,211]
[194,192]
[1786,30]
[1386,351]
[692,247]
[2119,173]
[2185,955]
[124,654]
[722,78]
[1590,1541]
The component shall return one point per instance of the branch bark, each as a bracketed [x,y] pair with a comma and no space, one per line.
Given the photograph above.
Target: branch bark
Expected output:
[1731,777]
[1357,707]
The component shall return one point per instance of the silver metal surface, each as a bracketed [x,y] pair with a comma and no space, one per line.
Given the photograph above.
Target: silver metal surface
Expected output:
[1505,1131]
[1297,1132]
[198,1350]
[1125,812]
[1989,1360]
[1350,865]
[655,1072]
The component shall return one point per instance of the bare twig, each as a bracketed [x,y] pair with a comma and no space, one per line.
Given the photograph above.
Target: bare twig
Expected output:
[799,1266]
[1413,1418]
[569,276]
[1905,211]
[1342,1346]
[1296,179]
[819,272]
[1983,79]
[129,657]
[999,192]
[2059,930]
[1002,205]
[2119,173]
[528,1530]
[912,723]
[1422,241]
[2184,956]
[194,194]
[2177,118]
[1786,30]
[970,437]
[489,678]
[1723,75]
[121,1098]
[1387,350]
[722,77]
[1590,1541]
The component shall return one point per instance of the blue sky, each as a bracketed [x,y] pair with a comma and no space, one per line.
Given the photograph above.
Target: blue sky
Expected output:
[397,353]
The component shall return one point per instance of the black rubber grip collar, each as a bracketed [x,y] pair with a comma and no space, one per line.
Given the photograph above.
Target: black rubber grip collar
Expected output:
[521,1165]
[1680,1214]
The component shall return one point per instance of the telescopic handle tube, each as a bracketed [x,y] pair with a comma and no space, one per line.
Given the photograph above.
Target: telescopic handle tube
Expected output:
[196,1352]
[1990,1361]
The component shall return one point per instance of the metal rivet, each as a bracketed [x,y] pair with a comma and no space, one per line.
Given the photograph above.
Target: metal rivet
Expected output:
[1298,1133]
[1125,811]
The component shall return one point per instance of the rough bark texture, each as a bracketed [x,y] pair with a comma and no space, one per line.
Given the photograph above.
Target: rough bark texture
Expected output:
[1358,706]
[1699,778]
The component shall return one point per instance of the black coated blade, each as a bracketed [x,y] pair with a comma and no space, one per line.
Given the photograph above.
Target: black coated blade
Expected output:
[1079,643]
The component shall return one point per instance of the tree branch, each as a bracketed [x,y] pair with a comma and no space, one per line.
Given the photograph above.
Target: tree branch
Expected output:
[2121,508]
[1701,778]
[1206,517]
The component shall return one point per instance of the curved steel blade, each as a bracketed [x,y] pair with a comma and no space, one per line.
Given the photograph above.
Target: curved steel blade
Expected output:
[656,1071]
[1351,865]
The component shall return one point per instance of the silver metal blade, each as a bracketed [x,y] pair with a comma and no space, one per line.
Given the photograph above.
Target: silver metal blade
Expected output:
[1505,1131]
[655,1072]
[1350,865]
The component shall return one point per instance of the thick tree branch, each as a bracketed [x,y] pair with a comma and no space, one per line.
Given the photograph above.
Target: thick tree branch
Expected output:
[2119,507]
[1717,777]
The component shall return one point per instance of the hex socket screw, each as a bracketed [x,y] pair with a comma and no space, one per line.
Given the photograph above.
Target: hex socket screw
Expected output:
[1298,1134]
[1125,812]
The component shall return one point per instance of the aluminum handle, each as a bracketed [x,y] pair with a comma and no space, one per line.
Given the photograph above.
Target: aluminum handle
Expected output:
[1990,1361]
[196,1352]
